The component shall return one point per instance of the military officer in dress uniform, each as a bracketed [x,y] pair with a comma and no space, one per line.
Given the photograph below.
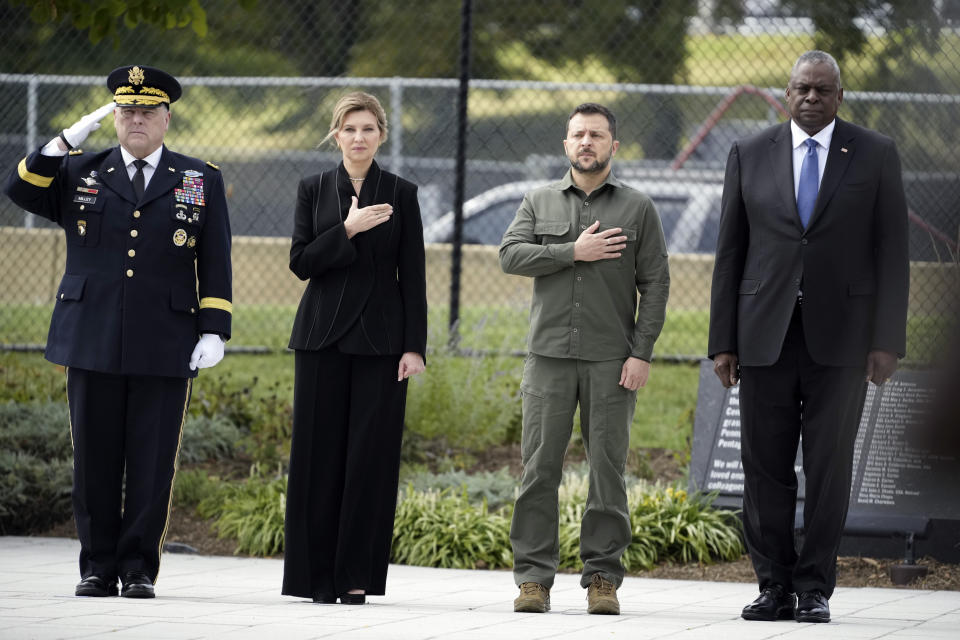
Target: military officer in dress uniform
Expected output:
[145,301]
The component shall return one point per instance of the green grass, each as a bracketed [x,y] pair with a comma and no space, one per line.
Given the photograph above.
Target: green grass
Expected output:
[483,328]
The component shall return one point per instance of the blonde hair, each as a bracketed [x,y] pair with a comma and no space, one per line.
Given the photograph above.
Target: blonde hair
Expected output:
[356,101]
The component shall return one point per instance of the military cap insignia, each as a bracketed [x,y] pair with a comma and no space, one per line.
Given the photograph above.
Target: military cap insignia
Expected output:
[82,227]
[179,237]
[135,76]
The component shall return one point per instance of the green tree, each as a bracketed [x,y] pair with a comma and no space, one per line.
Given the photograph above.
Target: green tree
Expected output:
[101,18]
[902,28]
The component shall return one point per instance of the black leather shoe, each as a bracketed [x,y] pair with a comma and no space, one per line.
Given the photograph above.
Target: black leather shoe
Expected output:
[97,587]
[324,598]
[813,606]
[353,598]
[136,584]
[774,603]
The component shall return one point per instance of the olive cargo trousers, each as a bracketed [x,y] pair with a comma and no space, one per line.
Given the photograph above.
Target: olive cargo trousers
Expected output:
[551,389]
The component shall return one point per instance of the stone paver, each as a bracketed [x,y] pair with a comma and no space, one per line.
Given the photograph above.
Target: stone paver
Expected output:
[239,598]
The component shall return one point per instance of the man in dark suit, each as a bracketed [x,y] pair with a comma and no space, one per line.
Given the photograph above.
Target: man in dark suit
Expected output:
[146,229]
[809,302]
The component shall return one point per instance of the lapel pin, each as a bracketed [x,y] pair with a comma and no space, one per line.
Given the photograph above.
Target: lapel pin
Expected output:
[171,170]
[843,149]
[110,170]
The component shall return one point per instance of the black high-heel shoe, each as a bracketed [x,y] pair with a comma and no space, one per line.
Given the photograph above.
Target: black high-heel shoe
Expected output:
[353,598]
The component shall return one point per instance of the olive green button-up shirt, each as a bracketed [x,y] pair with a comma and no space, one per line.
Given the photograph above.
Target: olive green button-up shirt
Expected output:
[589,310]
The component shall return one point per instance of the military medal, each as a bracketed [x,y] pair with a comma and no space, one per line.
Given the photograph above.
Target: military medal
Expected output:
[191,190]
[192,242]
[82,227]
[179,237]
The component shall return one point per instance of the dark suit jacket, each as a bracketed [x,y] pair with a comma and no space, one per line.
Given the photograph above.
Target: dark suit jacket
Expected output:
[366,294]
[127,303]
[852,258]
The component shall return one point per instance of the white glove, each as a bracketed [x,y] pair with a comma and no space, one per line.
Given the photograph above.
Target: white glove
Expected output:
[208,352]
[76,134]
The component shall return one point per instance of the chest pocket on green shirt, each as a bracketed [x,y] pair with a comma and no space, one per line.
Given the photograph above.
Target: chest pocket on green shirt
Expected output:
[551,232]
[626,259]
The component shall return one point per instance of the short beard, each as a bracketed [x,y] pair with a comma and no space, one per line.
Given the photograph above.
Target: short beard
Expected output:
[597,167]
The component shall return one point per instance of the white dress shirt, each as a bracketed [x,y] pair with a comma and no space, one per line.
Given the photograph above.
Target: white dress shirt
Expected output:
[148,169]
[823,138]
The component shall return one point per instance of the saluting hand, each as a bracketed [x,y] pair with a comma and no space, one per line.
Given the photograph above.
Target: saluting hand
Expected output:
[592,246]
[77,133]
[359,220]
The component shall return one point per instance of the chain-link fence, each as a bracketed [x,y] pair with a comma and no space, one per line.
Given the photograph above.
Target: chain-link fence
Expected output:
[685,78]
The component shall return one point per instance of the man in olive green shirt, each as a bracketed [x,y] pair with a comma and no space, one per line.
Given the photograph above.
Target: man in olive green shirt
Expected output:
[591,243]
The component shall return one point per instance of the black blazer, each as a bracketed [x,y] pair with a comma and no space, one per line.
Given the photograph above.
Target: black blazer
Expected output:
[128,303]
[852,259]
[368,294]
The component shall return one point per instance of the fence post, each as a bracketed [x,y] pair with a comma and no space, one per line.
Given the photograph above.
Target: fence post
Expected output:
[396,127]
[463,90]
[31,133]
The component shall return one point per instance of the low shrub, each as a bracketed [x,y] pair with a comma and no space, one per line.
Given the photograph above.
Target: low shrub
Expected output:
[35,494]
[250,512]
[443,529]
[36,466]
[41,429]
[497,488]
[191,487]
[264,415]
[208,438]
[466,403]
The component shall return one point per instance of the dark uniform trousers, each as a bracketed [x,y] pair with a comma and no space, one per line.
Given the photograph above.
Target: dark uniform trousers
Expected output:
[796,396]
[124,424]
[344,466]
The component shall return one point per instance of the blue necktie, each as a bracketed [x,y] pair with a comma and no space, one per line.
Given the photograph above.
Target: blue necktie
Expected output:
[809,183]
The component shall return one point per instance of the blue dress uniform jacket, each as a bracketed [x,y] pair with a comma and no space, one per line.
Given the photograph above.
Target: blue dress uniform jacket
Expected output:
[128,302]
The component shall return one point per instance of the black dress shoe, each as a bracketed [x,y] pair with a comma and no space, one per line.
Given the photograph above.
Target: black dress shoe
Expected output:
[324,598]
[353,598]
[97,587]
[813,606]
[136,584]
[774,603]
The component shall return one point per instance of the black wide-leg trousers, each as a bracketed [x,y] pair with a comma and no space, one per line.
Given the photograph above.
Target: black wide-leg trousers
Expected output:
[344,465]
[124,426]
[796,396]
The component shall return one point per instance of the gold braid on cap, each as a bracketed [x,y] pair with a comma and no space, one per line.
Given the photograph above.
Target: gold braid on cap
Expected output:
[128,96]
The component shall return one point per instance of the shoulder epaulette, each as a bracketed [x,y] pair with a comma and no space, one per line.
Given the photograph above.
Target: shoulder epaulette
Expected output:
[213,165]
[75,152]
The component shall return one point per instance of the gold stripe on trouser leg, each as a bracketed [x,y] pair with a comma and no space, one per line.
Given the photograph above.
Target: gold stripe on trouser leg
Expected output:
[69,412]
[176,465]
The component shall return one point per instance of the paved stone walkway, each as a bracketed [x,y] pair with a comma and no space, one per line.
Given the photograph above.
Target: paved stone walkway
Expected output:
[239,598]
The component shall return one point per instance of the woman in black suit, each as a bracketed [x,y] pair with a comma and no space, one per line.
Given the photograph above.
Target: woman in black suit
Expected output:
[359,333]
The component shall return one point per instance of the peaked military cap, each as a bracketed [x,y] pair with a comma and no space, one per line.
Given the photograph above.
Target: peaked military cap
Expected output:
[144,87]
